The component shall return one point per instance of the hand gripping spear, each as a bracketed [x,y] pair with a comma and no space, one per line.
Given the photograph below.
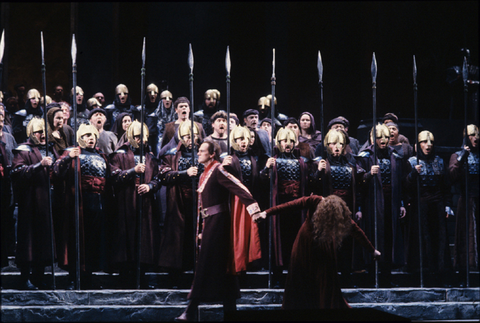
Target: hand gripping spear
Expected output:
[142,175]
[46,154]
[374,137]
[227,67]
[196,219]
[270,231]
[77,210]
[417,145]
[467,211]
[2,49]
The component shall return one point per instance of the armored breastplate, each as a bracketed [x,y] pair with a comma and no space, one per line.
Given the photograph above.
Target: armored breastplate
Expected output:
[246,166]
[431,172]
[82,118]
[386,170]
[92,164]
[288,169]
[341,177]
[184,163]
[473,163]
[27,119]
[43,152]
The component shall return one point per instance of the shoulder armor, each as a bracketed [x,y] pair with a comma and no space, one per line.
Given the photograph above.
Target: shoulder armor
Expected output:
[282,117]
[172,151]
[317,159]
[110,107]
[120,151]
[460,154]
[68,148]
[413,160]
[199,113]
[304,159]
[23,148]
[394,153]
[22,113]
[364,154]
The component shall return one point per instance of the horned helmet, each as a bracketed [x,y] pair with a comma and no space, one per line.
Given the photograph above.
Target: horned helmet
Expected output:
[35,125]
[427,136]
[336,137]
[239,132]
[185,129]
[134,129]
[83,130]
[383,133]
[285,134]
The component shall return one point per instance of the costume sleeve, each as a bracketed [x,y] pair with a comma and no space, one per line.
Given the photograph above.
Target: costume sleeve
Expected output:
[22,169]
[455,166]
[62,165]
[360,236]
[236,187]
[167,176]
[118,175]
[301,203]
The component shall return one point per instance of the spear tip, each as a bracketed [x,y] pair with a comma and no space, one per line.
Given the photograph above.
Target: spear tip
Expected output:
[374,67]
[414,70]
[320,66]
[227,61]
[2,46]
[143,52]
[190,57]
[74,49]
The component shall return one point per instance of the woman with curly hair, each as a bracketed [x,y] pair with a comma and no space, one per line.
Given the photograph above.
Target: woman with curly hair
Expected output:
[312,281]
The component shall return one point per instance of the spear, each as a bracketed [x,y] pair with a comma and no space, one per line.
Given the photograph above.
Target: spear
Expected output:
[417,145]
[227,67]
[46,154]
[194,184]
[374,135]
[320,84]
[2,50]
[77,210]
[270,232]
[467,211]
[142,175]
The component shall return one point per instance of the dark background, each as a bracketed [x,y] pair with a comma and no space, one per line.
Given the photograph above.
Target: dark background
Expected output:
[110,35]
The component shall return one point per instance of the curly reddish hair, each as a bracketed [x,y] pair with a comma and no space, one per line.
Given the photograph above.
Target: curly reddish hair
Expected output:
[331,220]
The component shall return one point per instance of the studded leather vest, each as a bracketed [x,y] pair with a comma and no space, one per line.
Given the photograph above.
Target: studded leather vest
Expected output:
[341,176]
[431,172]
[288,169]
[92,164]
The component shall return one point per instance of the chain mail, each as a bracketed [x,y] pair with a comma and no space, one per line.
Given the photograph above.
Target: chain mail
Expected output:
[431,170]
[341,177]
[386,170]
[92,164]
[288,169]
[246,166]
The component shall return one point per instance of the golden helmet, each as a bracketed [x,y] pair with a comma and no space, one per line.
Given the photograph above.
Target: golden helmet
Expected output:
[121,88]
[79,91]
[83,130]
[49,100]
[472,130]
[1,96]
[185,129]
[93,101]
[427,136]
[285,134]
[382,132]
[212,94]
[335,137]
[36,124]
[167,95]
[152,88]
[33,94]
[263,103]
[269,98]
[135,130]
[239,132]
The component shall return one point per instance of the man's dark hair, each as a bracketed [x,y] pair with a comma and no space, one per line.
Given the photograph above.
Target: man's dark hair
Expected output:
[219,114]
[213,147]
[181,99]
[291,120]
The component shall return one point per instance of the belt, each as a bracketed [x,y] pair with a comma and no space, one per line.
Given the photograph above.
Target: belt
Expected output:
[211,210]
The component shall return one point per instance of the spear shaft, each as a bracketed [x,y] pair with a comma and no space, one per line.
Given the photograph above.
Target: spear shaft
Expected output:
[196,219]
[374,137]
[227,67]
[46,154]
[142,175]
[76,162]
[467,211]
[2,50]
[417,145]
[270,231]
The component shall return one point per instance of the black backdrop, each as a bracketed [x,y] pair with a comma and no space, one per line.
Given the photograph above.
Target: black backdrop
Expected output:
[109,39]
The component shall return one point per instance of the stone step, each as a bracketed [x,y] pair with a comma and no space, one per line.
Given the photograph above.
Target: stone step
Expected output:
[248,296]
[157,313]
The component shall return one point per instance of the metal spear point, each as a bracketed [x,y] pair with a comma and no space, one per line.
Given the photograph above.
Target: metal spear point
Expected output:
[43,57]
[190,58]
[2,46]
[320,67]
[227,61]
[74,50]
[374,69]
[273,66]
[465,70]
[414,70]
[143,53]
